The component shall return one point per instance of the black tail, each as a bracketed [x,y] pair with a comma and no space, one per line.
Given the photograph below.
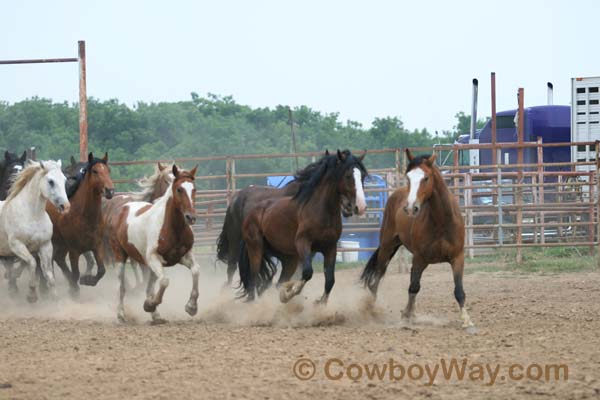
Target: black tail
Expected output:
[371,274]
[223,240]
[264,278]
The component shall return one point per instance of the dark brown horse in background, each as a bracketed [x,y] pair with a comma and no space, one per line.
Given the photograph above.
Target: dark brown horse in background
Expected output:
[81,229]
[228,243]
[424,217]
[294,228]
[9,166]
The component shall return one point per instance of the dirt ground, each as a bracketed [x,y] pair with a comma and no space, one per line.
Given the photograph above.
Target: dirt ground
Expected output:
[232,350]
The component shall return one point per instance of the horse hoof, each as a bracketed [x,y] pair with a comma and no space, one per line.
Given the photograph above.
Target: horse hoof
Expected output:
[284,296]
[471,330]
[12,290]
[158,321]
[88,280]
[121,318]
[149,306]
[191,309]
[74,292]
[321,302]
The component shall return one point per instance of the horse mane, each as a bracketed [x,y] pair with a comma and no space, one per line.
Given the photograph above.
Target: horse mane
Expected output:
[148,183]
[328,167]
[71,189]
[32,170]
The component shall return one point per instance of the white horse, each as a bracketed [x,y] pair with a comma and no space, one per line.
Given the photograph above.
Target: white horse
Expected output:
[25,227]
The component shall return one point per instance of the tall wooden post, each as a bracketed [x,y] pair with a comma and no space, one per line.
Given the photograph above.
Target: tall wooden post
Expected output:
[83,122]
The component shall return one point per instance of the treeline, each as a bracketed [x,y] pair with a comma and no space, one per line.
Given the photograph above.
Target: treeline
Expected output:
[203,126]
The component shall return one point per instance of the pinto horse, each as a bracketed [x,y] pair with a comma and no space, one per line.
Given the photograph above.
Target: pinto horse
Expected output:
[25,229]
[293,228]
[80,230]
[157,235]
[424,217]
[153,187]
[11,164]
[228,243]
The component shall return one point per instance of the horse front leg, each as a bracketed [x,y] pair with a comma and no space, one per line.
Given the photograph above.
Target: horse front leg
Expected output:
[188,260]
[329,271]
[418,266]
[151,303]
[458,265]
[45,258]
[88,278]
[74,260]
[294,287]
[19,249]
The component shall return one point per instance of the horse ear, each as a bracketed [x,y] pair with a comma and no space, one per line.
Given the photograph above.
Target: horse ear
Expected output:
[73,162]
[409,155]
[175,171]
[341,156]
[362,156]
[6,155]
[326,152]
[24,156]
[161,167]
[59,162]
[193,171]
[90,157]
[431,159]
[42,165]
[105,158]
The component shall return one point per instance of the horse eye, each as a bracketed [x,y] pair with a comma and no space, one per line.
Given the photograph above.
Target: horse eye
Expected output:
[178,190]
[94,171]
[426,179]
[51,183]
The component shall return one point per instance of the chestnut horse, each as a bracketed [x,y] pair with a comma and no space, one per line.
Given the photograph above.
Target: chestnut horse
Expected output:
[294,228]
[157,235]
[80,230]
[424,217]
[228,243]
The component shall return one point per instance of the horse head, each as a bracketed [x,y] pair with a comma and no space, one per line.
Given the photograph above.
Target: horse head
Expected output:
[184,193]
[350,184]
[13,164]
[420,173]
[52,185]
[98,173]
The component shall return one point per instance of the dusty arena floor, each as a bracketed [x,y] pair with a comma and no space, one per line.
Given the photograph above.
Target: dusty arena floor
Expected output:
[232,350]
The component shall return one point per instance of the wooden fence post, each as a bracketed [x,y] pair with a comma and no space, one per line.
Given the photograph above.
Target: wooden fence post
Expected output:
[540,163]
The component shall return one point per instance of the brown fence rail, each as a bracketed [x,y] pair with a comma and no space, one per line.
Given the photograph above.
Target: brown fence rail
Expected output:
[505,205]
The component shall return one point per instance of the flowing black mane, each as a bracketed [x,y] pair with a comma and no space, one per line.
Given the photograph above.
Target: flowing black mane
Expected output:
[76,172]
[329,167]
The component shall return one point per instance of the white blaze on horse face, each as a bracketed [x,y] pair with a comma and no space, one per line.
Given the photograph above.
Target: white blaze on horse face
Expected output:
[361,203]
[189,189]
[415,178]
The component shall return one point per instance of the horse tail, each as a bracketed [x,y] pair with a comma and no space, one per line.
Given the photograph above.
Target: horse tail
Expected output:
[263,279]
[371,274]
[223,240]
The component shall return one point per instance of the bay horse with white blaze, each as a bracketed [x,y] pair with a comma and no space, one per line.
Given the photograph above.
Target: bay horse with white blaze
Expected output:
[425,218]
[25,228]
[294,228]
[157,235]
[81,230]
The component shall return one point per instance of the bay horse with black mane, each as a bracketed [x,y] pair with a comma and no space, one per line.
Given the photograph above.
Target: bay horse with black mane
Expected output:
[81,230]
[228,243]
[156,235]
[294,228]
[425,218]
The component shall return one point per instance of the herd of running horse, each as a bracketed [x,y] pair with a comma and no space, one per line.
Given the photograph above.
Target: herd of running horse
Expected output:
[47,213]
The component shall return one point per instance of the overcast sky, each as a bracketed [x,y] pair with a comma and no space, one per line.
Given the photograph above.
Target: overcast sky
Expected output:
[363,59]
